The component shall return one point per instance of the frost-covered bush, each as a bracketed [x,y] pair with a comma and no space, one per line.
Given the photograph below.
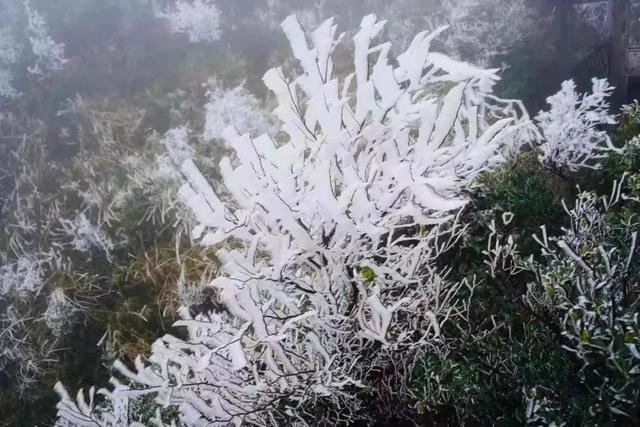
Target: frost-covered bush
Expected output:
[573,133]
[237,108]
[31,252]
[200,20]
[9,55]
[326,236]
[178,151]
[6,88]
[22,275]
[49,54]
[558,318]
[86,236]
[35,47]
[22,358]
[531,339]
[587,282]
[59,312]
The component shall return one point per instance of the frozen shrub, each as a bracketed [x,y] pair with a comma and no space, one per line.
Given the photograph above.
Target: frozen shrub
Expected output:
[22,275]
[176,143]
[233,108]
[326,236]
[49,54]
[9,56]
[59,312]
[86,236]
[572,129]
[588,283]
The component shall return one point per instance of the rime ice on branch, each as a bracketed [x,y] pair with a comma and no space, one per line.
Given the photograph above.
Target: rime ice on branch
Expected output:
[327,236]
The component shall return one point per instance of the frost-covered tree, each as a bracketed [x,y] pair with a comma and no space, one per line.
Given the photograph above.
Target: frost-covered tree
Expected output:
[200,20]
[596,14]
[479,31]
[572,130]
[326,237]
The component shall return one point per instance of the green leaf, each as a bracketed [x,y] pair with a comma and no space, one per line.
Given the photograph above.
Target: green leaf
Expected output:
[368,274]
